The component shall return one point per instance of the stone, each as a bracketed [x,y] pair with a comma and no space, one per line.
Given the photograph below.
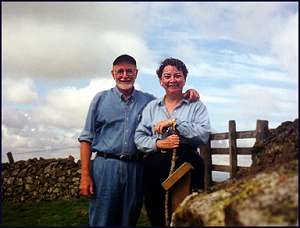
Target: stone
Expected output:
[28,187]
[75,179]
[9,180]
[29,179]
[61,179]
[265,195]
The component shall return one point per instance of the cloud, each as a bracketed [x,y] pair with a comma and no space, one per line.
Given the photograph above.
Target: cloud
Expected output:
[249,102]
[13,118]
[262,99]
[241,57]
[19,91]
[55,122]
[69,40]
[101,16]
[285,46]
[266,32]
[72,40]
[8,137]
[216,99]
[240,66]
[67,107]
[43,142]
[238,21]
[69,54]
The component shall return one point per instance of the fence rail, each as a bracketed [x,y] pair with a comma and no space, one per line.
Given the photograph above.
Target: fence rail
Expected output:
[262,131]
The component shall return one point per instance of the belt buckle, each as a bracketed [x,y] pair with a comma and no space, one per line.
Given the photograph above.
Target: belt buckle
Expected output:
[123,157]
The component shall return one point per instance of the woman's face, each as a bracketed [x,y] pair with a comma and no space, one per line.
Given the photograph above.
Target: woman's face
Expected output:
[172,79]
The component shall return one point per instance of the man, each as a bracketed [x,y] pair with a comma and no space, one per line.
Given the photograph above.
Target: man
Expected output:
[114,178]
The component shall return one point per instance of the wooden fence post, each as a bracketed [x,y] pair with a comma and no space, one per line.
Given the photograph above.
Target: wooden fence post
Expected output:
[262,130]
[232,148]
[206,155]
[10,159]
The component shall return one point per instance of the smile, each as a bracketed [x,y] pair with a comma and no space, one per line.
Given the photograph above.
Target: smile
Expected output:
[125,81]
[173,85]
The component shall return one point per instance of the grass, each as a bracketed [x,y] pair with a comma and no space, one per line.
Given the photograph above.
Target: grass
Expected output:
[51,213]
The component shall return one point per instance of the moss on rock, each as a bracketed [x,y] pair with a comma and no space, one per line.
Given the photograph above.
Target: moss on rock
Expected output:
[265,196]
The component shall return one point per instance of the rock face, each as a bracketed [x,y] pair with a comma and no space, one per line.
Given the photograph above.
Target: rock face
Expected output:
[265,195]
[43,179]
[281,146]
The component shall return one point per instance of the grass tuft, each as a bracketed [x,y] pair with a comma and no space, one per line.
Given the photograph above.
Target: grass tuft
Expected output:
[51,213]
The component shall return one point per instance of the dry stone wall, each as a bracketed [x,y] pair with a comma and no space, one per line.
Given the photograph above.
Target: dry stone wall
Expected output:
[40,179]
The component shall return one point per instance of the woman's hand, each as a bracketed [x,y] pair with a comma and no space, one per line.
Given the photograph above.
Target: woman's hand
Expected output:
[171,142]
[162,125]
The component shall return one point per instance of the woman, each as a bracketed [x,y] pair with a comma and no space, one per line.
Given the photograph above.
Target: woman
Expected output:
[155,137]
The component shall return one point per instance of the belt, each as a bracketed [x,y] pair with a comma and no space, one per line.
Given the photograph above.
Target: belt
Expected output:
[123,157]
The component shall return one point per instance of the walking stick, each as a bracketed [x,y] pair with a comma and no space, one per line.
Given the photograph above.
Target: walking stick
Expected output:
[171,171]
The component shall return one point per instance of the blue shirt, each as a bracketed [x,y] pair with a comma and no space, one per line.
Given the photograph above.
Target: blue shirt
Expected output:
[111,121]
[192,122]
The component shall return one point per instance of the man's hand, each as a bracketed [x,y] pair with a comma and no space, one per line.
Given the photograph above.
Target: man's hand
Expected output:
[171,142]
[86,182]
[192,95]
[86,185]
[162,125]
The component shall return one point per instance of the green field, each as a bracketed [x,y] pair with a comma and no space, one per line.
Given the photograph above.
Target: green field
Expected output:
[51,213]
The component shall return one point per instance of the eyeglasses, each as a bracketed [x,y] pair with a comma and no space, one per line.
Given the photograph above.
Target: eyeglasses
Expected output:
[129,72]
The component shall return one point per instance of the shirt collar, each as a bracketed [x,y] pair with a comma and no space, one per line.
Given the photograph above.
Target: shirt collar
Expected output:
[120,95]
[161,101]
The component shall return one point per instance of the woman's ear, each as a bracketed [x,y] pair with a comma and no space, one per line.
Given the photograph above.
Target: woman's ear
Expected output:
[113,75]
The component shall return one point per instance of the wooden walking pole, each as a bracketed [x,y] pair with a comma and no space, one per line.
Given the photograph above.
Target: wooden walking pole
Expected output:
[173,161]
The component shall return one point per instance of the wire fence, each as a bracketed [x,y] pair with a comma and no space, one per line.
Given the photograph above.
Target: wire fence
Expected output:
[47,150]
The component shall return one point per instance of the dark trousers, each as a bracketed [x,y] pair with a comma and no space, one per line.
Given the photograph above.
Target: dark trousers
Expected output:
[156,170]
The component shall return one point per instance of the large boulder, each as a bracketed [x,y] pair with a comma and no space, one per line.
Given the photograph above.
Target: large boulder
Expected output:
[265,195]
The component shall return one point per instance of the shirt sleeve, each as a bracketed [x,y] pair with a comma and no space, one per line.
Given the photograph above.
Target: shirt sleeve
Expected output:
[151,97]
[88,131]
[144,138]
[197,130]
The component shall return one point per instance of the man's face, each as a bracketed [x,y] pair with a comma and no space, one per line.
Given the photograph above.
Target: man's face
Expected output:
[124,75]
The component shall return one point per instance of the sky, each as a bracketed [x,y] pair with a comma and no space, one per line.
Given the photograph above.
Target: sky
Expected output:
[242,59]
